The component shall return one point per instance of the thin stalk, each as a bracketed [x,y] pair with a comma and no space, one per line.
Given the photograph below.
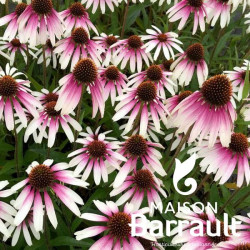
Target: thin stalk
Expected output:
[241,200]
[6,7]
[216,44]
[28,57]
[137,120]
[78,113]
[125,19]
[169,147]
[16,151]
[236,191]
[44,67]
[46,232]
[178,150]
[48,153]
[200,186]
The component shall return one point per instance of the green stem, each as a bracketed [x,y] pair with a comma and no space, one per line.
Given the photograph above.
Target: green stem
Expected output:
[46,236]
[178,150]
[125,19]
[44,67]
[6,7]
[28,57]
[236,191]
[16,150]
[241,200]
[169,147]
[137,120]
[215,46]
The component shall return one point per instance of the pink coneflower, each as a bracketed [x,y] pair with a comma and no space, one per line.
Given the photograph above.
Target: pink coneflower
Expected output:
[15,46]
[218,9]
[162,42]
[131,50]
[205,241]
[155,74]
[209,111]
[14,93]
[113,81]
[135,148]
[97,153]
[76,47]
[25,227]
[49,55]
[38,22]
[51,119]
[41,179]
[106,41]
[141,100]
[102,4]
[222,161]
[183,9]
[84,75]
[7,211]
[115,224]
[76,16]
[184,67]
[238,77]
[11,31]
[142,182]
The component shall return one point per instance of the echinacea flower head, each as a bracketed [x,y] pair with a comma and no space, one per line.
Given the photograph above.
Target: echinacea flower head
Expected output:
[84,75]
[14,95]
[39,22]
[222,161]
[12,19]
[25,227]
[97,153]
[76,47]
[113,82]
[189,61]
[238,78]
[131,50]
[115,224]
[106,41]
[51,119]
[6,211]
[101,3]
[137,148]
[156,74]
[219,9]
[15,46]
[209,111]
[162,42]
[204,241]
[142,99]
[138,185]
[49,54]
[166,64]
[36,190]
[184,8]
[76,16]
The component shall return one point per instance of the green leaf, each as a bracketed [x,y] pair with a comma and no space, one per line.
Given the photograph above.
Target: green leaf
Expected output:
[68,241]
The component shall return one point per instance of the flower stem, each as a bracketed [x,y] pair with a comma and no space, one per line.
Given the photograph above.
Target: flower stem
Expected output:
[137,121]
[46,231]
[241,200]
[125,19]
[28,57]
[178,150]
[229,200]
[216,44]
[6,7]
[44,67]
[169,147]
[16,150]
